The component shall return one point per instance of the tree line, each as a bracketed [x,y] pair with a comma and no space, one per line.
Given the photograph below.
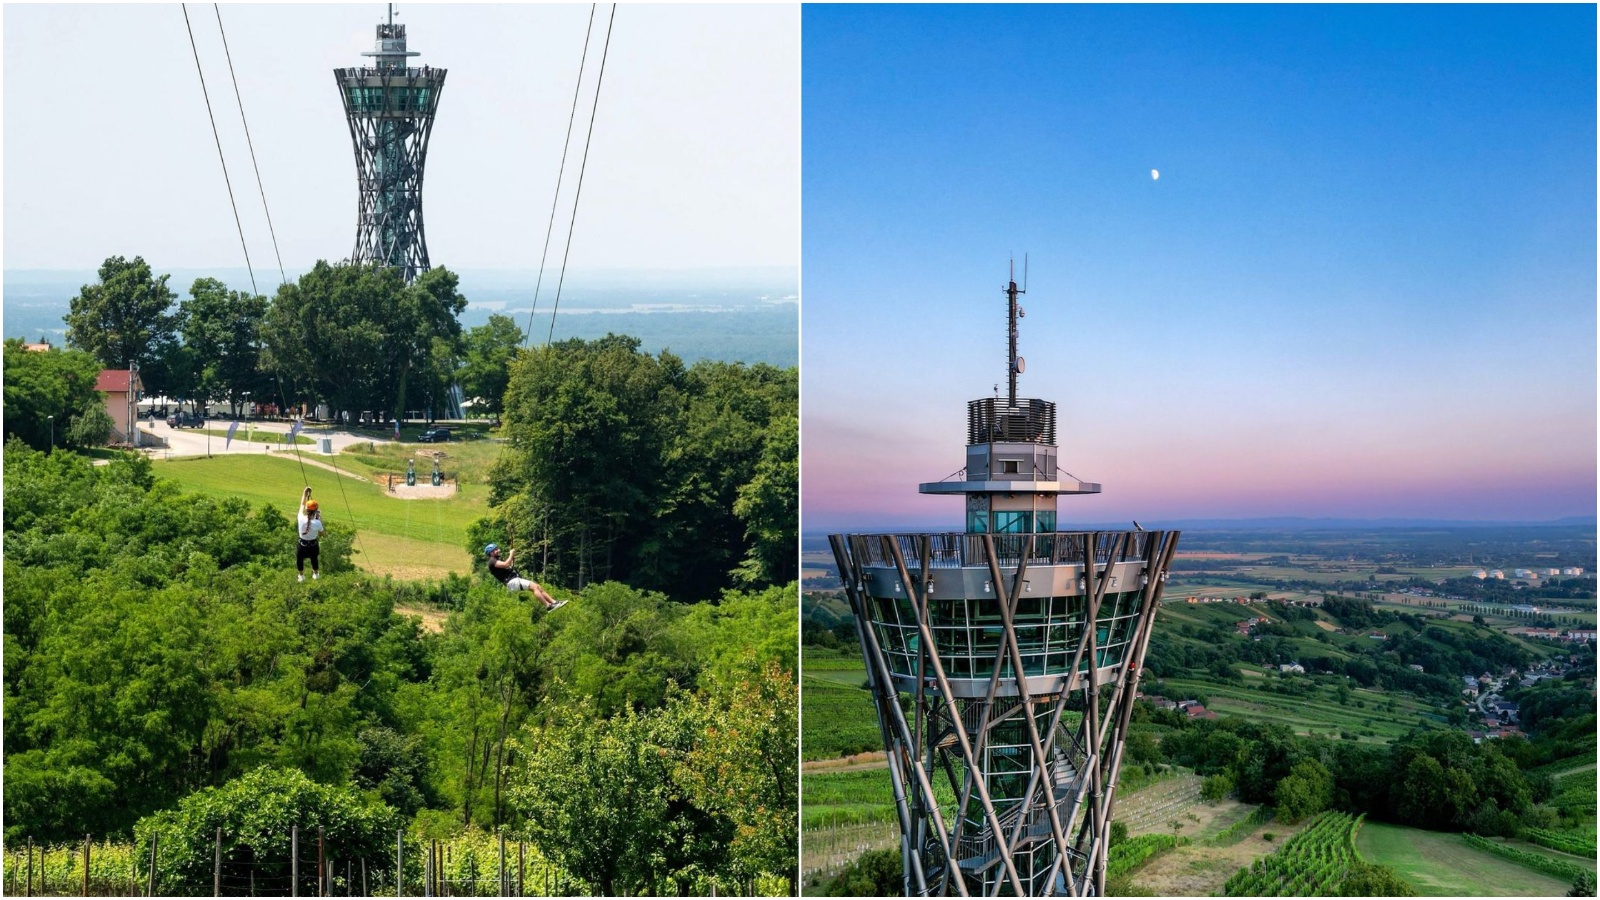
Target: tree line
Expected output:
[353,336]
[1436,779]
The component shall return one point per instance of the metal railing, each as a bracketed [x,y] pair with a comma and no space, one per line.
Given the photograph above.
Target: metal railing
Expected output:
[950,550]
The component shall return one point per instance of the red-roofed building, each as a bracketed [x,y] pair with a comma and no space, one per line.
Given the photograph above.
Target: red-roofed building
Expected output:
[122,389]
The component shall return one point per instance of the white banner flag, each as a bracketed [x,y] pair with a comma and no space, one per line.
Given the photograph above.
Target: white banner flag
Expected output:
[231,429]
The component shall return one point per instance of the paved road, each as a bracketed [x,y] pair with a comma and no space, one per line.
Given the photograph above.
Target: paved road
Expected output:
[191,442]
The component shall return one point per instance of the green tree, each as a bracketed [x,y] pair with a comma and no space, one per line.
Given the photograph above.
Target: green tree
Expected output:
[770,506]
[425,340]
[47,391]
[125,317]
[1306,791]
[1364,879]
[486,365]
[358,337]
[589,423]
[90,428]
[875,873]
[255,814]
[221,329]
[1215,788]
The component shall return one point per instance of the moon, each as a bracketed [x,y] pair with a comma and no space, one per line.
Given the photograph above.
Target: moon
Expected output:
[1155,175]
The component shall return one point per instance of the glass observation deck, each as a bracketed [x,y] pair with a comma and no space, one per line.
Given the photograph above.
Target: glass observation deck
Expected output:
[963,605]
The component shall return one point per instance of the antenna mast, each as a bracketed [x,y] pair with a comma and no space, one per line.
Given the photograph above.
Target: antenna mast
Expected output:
[1015,363]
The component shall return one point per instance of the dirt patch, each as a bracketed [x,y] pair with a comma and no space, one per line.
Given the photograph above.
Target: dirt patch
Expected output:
[860,761]
[1327,626]
[432,619]
[423,491]
[1196,870]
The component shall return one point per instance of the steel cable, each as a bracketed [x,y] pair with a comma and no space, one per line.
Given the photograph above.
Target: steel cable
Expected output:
[284,279]
[561,172]
[578,193]
[220,158]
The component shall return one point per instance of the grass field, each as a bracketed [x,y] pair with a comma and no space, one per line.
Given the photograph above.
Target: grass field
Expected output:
[408,539]
[1439,864]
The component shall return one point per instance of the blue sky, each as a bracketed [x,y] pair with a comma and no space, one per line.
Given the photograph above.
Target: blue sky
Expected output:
[1363,285]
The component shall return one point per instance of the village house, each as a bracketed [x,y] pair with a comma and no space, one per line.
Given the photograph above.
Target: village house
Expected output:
[122,389]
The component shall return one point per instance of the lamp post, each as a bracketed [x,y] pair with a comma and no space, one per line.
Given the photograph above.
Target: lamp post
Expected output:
[52,433]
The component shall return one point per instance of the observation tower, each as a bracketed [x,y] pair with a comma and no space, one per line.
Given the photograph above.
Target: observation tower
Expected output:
[390,108]
[984,673]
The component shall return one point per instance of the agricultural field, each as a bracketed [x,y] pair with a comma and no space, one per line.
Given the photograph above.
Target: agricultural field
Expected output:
[407,539]
[1310,864]
[837,715]
[1442,864]
[1318,713]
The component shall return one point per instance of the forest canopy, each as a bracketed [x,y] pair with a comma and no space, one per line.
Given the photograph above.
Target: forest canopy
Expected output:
[157,646]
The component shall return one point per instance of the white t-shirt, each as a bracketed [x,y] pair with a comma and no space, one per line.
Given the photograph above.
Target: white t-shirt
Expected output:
[309,531]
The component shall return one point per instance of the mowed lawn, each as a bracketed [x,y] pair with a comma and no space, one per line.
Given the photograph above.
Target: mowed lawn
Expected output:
[1441,864]
[409,539]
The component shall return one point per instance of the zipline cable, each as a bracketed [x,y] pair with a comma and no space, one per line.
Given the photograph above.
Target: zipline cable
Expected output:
[218,138]
[578,193]
[284,279]
[222,158]
[561,172]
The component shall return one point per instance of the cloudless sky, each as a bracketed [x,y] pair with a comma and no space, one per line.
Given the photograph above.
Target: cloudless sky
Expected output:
[1364,284]
[108,151]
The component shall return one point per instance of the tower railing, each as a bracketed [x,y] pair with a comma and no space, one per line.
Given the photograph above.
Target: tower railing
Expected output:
[954,550]
[992,420]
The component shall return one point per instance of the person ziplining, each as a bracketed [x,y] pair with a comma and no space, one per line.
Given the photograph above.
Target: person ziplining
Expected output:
[309,524]
[505,572]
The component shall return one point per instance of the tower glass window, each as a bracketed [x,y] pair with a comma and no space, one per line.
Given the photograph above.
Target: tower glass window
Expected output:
[1013,522]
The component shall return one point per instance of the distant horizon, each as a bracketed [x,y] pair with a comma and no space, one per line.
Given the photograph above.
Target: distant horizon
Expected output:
[1199,523]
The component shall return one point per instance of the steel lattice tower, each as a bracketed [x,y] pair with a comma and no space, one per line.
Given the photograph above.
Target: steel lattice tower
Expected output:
[984,673]
[390,109]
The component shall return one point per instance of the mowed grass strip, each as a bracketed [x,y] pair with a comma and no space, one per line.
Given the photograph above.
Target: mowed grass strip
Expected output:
[1441,864]
[404,538]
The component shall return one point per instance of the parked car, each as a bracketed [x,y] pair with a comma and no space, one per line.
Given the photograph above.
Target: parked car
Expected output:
[185,420]
[434,436]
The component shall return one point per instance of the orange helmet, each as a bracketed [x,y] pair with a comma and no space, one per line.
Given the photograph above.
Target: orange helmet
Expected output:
[311,506]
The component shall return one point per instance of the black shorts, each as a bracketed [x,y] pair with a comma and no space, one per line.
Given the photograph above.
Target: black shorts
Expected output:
[306,550]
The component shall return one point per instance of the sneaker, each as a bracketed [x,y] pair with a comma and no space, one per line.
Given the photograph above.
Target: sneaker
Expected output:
[555,606]
[313,576]
[301,577]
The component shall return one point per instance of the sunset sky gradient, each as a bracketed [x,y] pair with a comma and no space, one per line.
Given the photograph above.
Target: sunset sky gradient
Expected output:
[1364,285]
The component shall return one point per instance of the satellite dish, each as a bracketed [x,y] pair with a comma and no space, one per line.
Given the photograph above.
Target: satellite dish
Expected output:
[1022,365]
[1021,313]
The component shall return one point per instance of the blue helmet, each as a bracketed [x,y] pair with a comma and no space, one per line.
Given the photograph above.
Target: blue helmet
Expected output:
[491,549]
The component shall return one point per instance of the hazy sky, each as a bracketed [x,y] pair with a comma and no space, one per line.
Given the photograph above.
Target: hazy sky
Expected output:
[1363,284]
[695,158]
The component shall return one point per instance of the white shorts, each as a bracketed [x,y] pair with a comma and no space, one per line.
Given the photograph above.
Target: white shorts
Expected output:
[519,584]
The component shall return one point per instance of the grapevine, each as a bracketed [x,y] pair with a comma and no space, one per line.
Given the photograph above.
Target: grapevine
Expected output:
[1310,864]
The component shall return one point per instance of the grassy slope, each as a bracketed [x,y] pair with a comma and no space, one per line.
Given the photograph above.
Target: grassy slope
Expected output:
[404,538]
[1439,864]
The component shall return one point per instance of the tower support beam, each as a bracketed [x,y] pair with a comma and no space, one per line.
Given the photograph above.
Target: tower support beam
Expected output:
[1034,788]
